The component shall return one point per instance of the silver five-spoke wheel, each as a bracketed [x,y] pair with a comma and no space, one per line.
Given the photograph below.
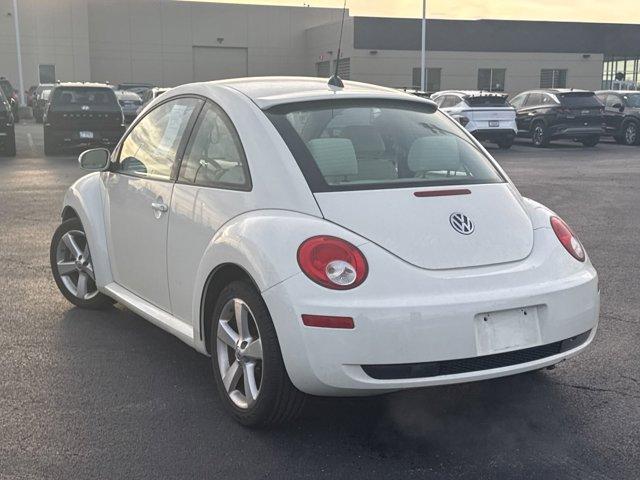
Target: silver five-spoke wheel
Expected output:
[73,261]
[239,353]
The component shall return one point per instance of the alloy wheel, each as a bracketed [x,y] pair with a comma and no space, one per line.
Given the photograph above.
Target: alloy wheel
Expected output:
[73,261]
[538,134]
[239,353]
[631,134]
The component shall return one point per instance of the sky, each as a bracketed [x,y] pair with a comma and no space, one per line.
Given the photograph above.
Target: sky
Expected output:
[620,11]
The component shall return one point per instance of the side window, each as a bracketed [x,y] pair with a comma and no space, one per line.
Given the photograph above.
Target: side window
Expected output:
[533,100]
[612,100]
[518,101]
[439,100]
[151,147]
[215,156]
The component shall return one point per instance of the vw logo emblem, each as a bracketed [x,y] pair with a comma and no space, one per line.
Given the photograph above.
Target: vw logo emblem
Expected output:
[461,223]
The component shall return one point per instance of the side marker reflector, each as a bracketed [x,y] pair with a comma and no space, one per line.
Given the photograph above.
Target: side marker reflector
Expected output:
[324,321]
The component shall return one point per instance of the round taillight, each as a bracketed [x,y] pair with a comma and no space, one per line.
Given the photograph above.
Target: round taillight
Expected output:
[567,238]
[332,262]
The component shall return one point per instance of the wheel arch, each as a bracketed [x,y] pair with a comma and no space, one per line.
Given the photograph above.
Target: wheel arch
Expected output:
[217,280]
[83,200]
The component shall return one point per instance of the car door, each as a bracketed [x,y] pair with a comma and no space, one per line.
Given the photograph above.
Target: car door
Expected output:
[213,186]
[613,113]
[529,111]
[138,192]
[518,103]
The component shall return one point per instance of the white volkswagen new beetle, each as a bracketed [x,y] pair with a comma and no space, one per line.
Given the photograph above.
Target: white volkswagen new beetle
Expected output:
[332,241]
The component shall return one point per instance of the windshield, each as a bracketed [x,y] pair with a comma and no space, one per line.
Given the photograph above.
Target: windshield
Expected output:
[80,96]
[357,145]
[632,100]
[579,100]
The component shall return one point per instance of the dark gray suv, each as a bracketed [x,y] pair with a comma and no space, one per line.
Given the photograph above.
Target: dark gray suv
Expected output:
[621,115]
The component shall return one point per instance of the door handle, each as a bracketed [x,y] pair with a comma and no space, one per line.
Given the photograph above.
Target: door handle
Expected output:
[160,207]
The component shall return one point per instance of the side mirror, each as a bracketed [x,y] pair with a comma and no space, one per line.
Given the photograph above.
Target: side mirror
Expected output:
[95,160]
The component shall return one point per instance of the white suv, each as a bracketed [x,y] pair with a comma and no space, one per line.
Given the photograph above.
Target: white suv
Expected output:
[487,115]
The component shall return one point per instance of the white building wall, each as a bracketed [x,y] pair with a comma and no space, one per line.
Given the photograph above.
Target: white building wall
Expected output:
[51,32]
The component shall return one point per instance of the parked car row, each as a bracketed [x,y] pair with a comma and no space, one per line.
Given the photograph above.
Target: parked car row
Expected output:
[545,115]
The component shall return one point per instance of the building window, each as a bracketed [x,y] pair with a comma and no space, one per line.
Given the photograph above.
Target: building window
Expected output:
[47,73]
[491,79]
[433,79]
[322,69]
[553,78]
[344,69]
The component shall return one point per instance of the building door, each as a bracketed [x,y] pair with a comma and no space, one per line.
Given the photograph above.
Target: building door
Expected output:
[217,63]
[47,73]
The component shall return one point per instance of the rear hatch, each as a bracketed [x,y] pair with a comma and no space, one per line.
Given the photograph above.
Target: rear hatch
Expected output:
[419,230]
[88,108]
[489,111]
[580,109]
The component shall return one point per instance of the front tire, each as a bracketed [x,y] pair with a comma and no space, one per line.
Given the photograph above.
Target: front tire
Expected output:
[630,134]
[590,141]
[247,362]
[72,266]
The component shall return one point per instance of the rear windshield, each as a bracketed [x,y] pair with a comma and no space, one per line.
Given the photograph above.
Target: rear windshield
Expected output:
[487,101]
[579,99]
[358,145]
[83,96]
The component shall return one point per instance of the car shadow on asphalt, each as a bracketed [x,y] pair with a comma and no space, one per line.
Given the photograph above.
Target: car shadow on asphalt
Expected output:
[133,382]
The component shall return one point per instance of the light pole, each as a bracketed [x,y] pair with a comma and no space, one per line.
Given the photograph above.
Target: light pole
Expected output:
[423,56]
[18,52]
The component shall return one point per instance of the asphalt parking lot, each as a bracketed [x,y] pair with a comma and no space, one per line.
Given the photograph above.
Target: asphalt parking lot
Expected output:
[108,395]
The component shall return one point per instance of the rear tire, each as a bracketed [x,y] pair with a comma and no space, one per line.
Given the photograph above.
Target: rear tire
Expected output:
[505,143]
[540,135]
[9,149]
[69,264]
[50,149]
[272,398]
[590,141]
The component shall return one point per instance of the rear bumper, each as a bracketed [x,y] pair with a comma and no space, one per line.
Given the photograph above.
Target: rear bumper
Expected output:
[494,134]
[408,315]
[7,133]
[483,131]
[70,138]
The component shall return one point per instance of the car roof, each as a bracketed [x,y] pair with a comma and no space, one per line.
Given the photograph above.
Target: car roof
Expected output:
[472,93]
[267,92]
[621,92]
[127,94]
[558,90]
[83,84]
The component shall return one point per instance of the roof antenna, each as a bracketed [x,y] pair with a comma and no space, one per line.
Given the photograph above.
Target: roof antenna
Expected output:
[335,80]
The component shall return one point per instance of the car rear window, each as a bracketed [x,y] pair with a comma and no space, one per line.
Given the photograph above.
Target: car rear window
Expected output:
[632,100]
[579,100]
[76,97]
[487,101]
[358,145]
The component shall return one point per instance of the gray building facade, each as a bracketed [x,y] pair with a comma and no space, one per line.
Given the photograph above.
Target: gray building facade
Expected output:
[168,42]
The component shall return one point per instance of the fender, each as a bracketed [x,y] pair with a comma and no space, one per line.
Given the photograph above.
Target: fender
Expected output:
[86,199]
[538,213]
[264,243]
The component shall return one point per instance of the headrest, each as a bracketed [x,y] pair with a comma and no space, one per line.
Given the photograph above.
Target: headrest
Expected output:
[434,153]
[366,140]
[335,156]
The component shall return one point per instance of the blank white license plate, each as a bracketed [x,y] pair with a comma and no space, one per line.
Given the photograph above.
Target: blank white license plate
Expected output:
[507,330]
[86,134]
[494,123]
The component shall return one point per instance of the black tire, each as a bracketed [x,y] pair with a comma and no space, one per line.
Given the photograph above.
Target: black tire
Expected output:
[9,149]
[50,148]
[505,143]
[540,134]
[96,302]
[630,134]
[278,401]
[590,141]
[38,118]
